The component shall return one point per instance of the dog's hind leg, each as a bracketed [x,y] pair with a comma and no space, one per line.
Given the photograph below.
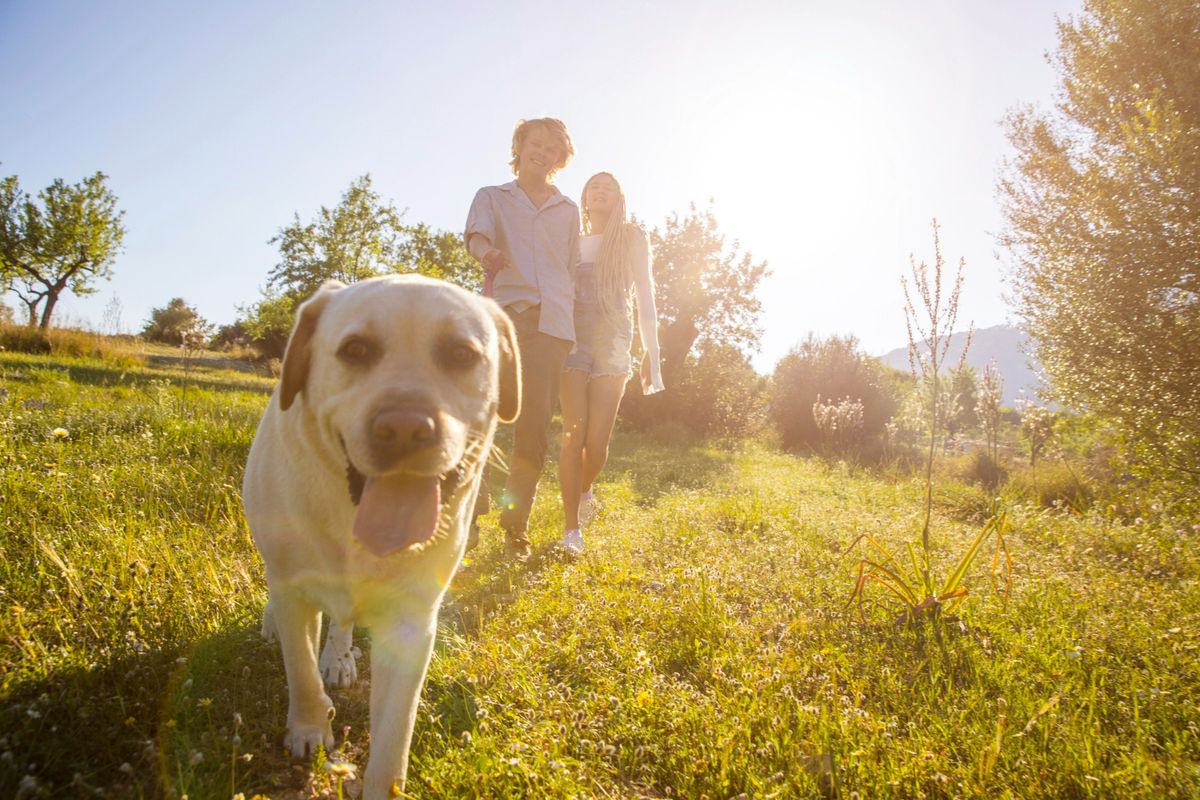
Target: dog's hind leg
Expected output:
[310,710]
[338,657]
[399,657]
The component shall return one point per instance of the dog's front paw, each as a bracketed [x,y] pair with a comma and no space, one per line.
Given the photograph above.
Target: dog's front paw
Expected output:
[269,632]
[339,669]
[381,785]
[302,739]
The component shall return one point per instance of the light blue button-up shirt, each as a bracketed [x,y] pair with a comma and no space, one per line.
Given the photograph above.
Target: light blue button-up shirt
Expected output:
[542,248]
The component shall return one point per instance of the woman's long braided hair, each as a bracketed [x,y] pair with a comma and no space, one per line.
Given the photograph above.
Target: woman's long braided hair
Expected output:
[614,262]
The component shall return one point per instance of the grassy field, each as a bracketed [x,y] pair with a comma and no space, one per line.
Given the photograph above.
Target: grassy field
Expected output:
[702,648]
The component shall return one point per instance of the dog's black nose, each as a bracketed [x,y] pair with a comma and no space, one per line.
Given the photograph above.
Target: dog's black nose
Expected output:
[398,432]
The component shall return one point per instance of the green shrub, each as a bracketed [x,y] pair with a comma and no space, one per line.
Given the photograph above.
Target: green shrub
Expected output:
[1054,484]
[967,502]
[172,323]
[23,339]
[833,369]
[984,470]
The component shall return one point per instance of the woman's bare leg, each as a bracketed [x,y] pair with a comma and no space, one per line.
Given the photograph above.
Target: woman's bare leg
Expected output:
[573,396]
[604,395]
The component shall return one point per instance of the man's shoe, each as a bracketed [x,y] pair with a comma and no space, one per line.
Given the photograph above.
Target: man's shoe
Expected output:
[572,542]
[517,547]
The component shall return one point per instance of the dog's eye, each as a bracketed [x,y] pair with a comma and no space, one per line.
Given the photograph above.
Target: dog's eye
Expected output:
[354,351]
[460,355]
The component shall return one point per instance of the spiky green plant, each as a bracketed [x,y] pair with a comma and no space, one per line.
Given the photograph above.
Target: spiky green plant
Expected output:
[909,585]
[929,334]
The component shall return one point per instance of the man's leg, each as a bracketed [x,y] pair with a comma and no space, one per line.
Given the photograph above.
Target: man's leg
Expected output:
[542,358]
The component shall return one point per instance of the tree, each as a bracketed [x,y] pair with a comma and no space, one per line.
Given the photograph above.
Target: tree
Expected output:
[227,337]
[170,323]
[362,237]
[30,293]
[64,241]
[705,292]
[717,393]
[269,321]
[1102,209]
[708,313]
[354,240]
[439,254]
[720,394]
[963,394]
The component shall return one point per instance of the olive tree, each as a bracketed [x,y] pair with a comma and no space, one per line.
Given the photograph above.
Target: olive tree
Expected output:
[1102,208]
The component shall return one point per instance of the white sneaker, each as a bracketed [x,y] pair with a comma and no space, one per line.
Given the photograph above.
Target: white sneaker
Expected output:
[587,507]
[572,542]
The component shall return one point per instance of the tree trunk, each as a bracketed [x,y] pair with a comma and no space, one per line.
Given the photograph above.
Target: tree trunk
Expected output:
[677,342]
[48,309]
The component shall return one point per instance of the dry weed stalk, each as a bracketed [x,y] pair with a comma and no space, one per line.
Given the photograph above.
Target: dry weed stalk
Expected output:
[840,423]
[934,330]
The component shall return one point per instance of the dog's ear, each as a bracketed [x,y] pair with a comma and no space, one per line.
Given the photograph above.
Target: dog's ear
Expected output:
[510,366]
[297,358]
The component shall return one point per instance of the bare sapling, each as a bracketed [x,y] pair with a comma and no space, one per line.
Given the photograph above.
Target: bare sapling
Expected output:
[1037,426]
[191,342]
[989,408]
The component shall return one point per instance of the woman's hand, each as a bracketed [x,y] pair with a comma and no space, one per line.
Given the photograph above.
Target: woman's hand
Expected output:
[652,381]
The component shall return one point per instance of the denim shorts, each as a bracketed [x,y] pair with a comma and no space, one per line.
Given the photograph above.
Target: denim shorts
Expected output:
[601,343]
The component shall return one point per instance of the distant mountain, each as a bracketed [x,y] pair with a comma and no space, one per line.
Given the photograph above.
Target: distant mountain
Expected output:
[1004,343]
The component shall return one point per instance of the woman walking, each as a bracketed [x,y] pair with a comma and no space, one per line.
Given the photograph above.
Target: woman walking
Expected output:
[613,272]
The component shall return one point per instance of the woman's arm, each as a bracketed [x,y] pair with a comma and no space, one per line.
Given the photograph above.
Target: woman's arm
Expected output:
[643,284]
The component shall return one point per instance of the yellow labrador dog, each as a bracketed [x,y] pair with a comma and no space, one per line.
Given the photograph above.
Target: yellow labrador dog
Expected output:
[359,487]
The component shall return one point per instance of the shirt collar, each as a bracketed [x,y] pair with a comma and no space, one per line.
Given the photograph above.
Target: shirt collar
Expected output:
[558,197]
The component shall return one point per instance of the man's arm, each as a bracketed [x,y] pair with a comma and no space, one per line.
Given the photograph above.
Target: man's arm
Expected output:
[492,258]
[481,224]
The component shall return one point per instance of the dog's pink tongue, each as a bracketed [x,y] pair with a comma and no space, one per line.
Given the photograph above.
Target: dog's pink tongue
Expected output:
[397,511]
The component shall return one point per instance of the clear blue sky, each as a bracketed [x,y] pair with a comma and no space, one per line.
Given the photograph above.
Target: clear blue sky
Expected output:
[827,134]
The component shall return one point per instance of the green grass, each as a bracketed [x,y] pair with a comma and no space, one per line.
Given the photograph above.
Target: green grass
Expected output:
[703,647]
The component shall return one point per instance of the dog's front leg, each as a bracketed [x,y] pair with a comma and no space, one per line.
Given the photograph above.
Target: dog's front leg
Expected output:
[338,665]
[399,657]
[298,624]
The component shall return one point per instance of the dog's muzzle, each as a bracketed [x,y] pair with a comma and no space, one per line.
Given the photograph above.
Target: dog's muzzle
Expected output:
[355,481]
[401,431]
[397,510]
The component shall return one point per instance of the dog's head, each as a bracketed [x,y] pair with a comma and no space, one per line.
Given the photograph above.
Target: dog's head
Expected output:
[406,377]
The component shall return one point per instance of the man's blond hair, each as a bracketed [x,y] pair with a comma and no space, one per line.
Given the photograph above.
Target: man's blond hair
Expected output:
[556,130]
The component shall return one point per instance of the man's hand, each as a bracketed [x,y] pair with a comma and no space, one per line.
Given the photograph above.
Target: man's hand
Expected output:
[493,261]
